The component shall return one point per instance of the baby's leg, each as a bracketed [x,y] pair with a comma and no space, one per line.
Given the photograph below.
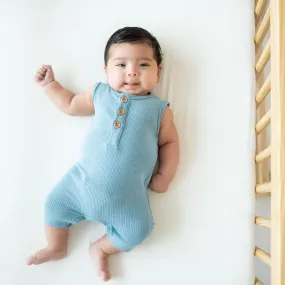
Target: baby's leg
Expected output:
[62,209]
[100,251]
[116,241]
[56,246]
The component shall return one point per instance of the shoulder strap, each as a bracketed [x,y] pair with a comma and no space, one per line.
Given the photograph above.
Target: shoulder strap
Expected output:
[163,105]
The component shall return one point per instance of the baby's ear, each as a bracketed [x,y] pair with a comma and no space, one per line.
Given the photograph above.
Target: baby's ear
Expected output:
[159,72]
[105,68]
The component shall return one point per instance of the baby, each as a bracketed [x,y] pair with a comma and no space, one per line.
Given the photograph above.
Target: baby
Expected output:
[131,130]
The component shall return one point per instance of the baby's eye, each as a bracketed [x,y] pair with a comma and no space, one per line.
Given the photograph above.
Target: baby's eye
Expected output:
[144,64]
[120,65]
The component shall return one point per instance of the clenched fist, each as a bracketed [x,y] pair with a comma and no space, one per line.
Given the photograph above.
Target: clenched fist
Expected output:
[44,75]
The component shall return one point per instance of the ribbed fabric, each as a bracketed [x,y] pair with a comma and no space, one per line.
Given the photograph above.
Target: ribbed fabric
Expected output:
[109,182]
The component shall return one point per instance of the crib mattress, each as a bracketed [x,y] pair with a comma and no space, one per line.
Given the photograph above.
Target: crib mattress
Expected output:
[203,226]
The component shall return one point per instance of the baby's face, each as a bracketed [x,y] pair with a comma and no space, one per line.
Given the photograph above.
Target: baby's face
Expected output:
[132,69]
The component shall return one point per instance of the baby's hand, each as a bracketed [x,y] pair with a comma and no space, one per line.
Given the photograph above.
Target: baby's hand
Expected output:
[159,183]
[44,75]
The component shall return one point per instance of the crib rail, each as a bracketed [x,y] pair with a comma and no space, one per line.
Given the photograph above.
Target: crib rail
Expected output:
[263,222]
[263,28]
[263,122]
[270,130]
[263,155]
[263,91]
[264,188]
[257,282]
[263,58]
[264,256]
[259,5]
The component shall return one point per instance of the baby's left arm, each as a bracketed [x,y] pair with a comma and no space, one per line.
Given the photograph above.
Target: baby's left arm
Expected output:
[168,155]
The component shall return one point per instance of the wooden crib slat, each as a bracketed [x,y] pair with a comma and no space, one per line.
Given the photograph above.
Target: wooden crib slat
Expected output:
[264,188]
[264,90]
[264,122]
[258,282]
[263,59]
[259,7]
[263,155]
[263,222]
[263,256]
[263,28]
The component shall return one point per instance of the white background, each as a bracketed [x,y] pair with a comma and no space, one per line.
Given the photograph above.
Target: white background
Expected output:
[204,230]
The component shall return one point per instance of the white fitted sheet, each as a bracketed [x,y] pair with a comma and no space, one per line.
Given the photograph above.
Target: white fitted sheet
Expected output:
[203,232]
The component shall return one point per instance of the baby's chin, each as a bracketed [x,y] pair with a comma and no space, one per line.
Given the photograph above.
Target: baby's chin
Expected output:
[138,90]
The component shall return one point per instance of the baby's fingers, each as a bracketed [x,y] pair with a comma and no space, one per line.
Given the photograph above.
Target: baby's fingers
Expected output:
[41,72]
[47,68]
[40,76]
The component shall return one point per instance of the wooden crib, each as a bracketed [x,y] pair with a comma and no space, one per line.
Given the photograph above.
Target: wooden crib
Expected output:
[270,129]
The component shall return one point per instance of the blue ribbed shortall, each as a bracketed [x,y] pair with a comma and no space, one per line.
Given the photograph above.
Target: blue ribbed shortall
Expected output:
[109,181]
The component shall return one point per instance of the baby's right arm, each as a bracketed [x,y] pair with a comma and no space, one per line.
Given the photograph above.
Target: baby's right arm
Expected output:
[80,104]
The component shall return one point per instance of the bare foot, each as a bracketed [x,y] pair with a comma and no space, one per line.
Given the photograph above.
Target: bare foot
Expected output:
[45,255]
[101,259]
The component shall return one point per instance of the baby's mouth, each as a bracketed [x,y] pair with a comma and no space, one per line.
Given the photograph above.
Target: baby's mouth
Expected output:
[131,84]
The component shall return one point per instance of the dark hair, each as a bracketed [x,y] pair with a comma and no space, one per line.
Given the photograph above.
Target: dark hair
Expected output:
[134,35]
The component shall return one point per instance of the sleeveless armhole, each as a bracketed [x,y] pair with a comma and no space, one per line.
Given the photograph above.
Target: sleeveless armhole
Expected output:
[163,105]
[94,93]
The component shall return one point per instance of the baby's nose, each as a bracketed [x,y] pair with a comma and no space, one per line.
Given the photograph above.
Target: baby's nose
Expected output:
[132,74]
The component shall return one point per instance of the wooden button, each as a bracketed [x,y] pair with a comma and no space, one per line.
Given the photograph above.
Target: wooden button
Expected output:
[117,124]
[121,111]
[124,99]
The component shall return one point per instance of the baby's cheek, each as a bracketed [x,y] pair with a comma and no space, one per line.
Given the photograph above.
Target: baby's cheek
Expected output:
[151,83]
[114,80]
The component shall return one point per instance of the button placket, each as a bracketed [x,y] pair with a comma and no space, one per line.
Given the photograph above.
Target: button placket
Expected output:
[119,120]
